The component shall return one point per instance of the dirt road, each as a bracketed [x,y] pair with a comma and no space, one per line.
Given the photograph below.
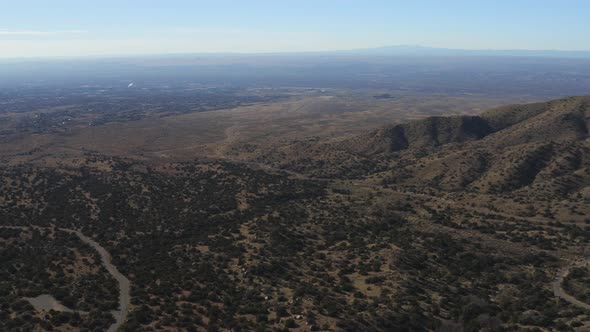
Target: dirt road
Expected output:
[124,284]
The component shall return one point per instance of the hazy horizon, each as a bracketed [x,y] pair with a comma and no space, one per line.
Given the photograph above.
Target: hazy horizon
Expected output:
[67,28]
[385,50]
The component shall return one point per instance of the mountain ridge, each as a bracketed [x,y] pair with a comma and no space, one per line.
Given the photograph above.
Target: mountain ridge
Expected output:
[517,147]
[440,130]
[444,51]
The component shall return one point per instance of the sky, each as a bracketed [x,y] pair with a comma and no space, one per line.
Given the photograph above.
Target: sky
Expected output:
[38,28]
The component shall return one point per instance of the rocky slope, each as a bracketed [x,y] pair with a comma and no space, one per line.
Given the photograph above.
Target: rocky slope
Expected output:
[534,146]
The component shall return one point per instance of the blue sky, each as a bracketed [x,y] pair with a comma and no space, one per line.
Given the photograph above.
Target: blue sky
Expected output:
[71,28]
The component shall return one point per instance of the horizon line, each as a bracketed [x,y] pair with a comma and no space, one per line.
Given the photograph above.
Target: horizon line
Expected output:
[346,52]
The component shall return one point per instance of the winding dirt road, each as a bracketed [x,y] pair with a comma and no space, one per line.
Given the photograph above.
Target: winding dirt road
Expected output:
[124,284]
[558,290]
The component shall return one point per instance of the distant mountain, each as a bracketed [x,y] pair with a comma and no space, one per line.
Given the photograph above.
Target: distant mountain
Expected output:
[415,50]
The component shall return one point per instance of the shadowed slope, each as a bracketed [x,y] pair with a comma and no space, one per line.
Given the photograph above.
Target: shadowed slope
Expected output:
[542,145]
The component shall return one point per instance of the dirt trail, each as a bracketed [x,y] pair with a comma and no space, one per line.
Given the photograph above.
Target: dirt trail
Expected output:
[124,284]
[558,288]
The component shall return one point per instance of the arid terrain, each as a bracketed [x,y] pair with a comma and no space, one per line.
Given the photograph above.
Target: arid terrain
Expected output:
[156,132]
[301,209]
[294,166]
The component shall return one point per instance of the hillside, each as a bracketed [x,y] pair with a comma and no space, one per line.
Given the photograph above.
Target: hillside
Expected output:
[528,147]
[565,119]
[427,133]
[504,149]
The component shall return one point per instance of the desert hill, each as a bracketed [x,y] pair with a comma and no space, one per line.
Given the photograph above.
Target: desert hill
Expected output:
[540,146]
[564,119]
[426,133]
[532,146]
